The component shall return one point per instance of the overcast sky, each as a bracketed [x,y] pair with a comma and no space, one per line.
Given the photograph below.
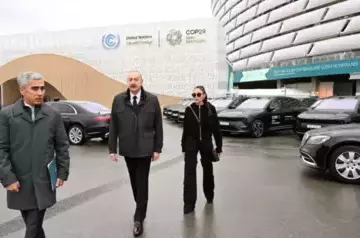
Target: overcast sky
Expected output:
[22,16]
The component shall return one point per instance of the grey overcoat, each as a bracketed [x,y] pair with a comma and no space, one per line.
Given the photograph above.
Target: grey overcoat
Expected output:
[26,147]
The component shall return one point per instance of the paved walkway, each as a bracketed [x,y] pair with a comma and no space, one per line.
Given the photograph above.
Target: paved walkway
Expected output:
[262,191]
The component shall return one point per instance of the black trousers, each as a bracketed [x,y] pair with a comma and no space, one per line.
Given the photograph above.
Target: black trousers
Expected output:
[190,185]
[139,169]
[34,220]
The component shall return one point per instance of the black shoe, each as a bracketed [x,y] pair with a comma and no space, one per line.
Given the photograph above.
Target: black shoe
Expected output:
[138,228]
[188,209]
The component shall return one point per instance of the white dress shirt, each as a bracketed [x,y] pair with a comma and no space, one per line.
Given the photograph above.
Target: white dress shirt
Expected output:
[32,110]
[138,95]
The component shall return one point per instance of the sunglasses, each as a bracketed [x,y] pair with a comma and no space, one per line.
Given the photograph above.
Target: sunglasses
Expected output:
[196,95]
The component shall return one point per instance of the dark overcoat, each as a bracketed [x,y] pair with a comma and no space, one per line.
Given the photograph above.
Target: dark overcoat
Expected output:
[26,147]
[138,131]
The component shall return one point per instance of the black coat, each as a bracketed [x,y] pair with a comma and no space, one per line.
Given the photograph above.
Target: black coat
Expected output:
[138,130]
[26,147]
[210,126]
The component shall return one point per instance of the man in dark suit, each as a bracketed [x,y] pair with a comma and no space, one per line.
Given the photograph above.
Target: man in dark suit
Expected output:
[31,132]
[136,128]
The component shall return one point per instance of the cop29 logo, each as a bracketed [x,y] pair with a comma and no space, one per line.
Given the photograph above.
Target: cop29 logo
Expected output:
[174,37]
[111,41]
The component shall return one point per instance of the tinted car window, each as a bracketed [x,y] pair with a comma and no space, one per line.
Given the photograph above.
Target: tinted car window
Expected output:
[289,103]
[307,102]
[62,108]
[337,104]
[276,104]
[94,107]
[254,103]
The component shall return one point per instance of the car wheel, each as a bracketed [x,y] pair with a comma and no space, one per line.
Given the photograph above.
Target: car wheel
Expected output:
[76,135]
[344,164]
[257,128]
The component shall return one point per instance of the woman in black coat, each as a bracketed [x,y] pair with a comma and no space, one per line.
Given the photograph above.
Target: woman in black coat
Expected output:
[196,139]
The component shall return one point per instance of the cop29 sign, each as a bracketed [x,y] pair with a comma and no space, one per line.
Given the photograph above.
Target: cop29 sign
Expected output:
[110,41]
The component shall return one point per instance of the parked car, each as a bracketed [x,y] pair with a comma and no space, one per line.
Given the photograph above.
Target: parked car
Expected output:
[221,104]
[169,109]
[259,115]
[327,112]
[83,120]
[334,148]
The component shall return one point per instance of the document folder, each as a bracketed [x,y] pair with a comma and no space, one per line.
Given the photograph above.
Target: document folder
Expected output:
[53,173]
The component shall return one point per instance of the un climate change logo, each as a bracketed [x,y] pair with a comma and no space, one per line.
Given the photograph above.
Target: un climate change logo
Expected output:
[174,37]
[111,41]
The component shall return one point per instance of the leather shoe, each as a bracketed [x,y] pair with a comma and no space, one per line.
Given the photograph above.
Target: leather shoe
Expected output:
[188,209]
[138,229]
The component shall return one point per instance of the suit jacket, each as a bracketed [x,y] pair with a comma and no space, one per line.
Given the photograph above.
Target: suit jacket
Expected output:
[138,131]
[26,147]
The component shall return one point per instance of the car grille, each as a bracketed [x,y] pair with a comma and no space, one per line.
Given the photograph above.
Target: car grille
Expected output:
[321,122]
[232,124]
[232,119]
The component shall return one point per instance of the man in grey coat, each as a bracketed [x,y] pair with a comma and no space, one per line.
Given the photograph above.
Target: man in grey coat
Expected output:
[136,132]
[32,135]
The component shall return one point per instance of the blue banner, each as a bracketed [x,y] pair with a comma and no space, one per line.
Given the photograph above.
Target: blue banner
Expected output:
[348,66]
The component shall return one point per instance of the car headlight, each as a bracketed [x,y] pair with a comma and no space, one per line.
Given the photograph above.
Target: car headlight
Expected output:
[317,140]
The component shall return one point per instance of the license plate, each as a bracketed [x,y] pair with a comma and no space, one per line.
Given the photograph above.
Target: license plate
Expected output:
[313,126]
[224,123]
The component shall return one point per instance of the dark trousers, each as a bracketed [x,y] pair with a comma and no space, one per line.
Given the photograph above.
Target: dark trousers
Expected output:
[34,220]
[190,185]
[139,169]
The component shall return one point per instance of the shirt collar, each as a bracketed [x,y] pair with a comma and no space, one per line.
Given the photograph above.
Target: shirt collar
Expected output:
[137,95]
[28,105]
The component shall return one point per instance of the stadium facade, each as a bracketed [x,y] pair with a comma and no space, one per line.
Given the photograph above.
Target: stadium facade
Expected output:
[312,45]
[91,64]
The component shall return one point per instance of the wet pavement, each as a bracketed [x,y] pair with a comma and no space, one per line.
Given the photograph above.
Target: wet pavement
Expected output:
[262,191]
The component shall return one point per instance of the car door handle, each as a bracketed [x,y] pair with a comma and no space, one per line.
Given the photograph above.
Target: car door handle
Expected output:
[66,117]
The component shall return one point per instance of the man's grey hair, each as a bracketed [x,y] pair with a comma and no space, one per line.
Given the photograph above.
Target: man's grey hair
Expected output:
[24,78]
[135,71]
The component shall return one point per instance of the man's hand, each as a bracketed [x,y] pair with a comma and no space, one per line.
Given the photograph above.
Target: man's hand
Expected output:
[59,182]
[14,187]
[155,156]
[114,157]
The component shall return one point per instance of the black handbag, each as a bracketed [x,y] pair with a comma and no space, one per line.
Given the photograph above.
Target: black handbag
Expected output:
[213,156]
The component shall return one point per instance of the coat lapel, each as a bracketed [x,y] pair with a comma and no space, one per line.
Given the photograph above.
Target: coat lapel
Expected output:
[19,110]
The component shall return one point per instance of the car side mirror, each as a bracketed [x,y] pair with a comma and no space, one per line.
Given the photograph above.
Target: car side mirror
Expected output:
[270,109]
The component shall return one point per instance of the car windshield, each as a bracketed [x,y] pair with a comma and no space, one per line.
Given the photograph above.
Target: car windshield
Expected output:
[254,103]
[221,102]
[235,103]
[316,103]
[94,107]
[307,102]
[348,104]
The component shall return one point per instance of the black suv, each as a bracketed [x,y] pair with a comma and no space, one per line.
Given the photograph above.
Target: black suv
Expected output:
[259,115]
[329,111]
[334,148]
